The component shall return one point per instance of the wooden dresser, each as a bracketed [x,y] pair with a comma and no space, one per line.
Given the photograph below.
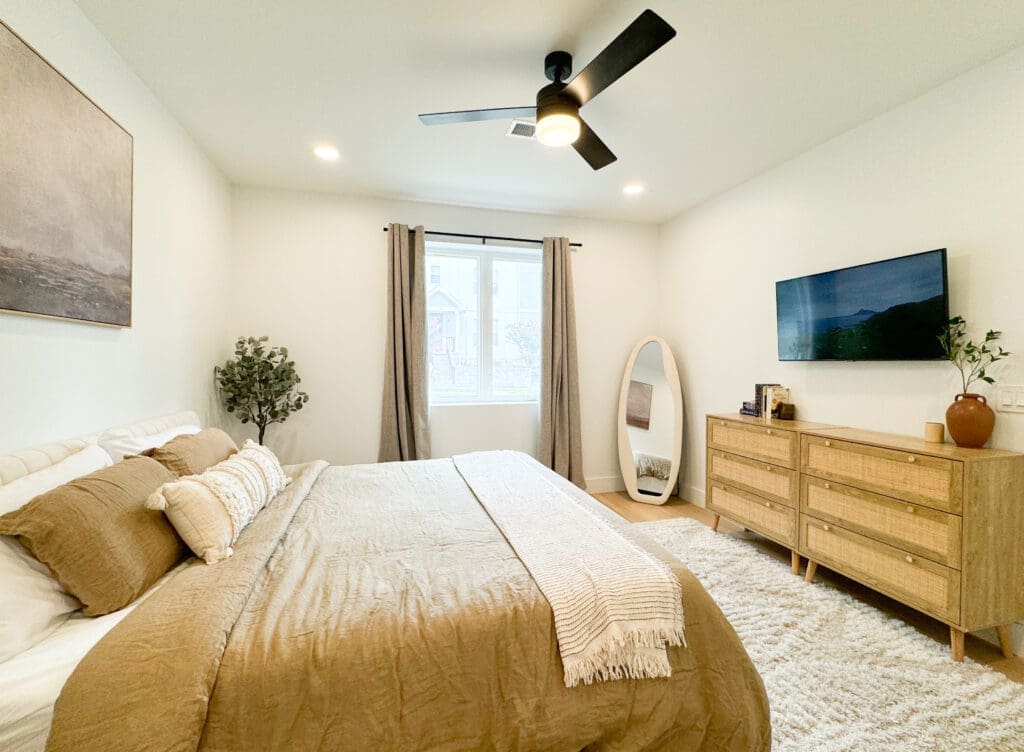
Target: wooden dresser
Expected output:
[936,527]
[753,475]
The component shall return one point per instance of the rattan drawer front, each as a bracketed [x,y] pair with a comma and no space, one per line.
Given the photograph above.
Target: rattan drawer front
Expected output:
[759,477]
[930,481]
[921,583]
[771,519]
[920,530]
[762,443]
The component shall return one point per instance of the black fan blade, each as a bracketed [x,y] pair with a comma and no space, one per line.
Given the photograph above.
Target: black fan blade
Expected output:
[472,116]
[592,148]
[640,40]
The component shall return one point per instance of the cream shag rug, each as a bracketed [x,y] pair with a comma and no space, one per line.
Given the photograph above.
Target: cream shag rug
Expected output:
[842,676]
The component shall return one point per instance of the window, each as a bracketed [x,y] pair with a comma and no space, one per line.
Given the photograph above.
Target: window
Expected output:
[483,339]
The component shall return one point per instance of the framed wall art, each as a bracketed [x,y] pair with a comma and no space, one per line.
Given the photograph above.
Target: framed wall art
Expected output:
[65,196]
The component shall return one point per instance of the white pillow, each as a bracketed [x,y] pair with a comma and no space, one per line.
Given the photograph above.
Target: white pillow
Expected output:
[20,492]
[32,603]
[121,444]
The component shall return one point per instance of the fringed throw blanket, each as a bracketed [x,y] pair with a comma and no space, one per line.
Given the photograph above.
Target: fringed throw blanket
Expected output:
[616,607]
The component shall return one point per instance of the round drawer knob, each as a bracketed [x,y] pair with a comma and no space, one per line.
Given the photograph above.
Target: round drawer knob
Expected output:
[828,443]
[911,458]
[826,528]
[769,432]
[828,486]
[768,504]
[910,560]
[910,509]
[767,468]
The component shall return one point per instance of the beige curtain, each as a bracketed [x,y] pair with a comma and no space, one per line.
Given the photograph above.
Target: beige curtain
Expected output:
[560,442]
[404,422]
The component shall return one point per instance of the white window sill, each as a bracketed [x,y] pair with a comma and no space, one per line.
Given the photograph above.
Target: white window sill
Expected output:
[494,403]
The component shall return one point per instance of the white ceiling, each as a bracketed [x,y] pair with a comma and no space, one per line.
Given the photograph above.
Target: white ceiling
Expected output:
[745,85]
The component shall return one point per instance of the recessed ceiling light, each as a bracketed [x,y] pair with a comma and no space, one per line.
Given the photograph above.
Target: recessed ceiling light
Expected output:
[633,189]
[326,152]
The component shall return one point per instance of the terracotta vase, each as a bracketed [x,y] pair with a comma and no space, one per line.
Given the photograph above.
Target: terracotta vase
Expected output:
[970,420]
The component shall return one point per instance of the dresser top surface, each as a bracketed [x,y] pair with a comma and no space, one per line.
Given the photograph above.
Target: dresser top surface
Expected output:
[875,438]
[789,425]
[911,444]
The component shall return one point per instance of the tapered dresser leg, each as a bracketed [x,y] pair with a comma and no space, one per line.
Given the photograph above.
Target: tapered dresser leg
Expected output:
[956,644]
[812,567]
[714,524]
[1004,641]
[795,557]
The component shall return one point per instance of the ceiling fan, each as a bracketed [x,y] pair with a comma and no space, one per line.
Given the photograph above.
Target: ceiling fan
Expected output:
[558,104]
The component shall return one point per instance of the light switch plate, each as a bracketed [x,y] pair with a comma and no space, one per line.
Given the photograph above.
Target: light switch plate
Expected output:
[1010,398]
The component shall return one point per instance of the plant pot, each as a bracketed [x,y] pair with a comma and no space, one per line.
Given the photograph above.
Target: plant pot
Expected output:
[970,420]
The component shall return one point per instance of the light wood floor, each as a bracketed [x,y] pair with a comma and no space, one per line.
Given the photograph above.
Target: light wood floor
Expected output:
[978,649]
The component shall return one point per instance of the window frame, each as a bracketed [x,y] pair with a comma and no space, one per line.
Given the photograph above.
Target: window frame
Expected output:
[485,256]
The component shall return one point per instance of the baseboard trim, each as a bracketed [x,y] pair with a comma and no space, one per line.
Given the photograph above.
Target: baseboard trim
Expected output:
[1016,637]
[695,495]
[612,483]
[605,484]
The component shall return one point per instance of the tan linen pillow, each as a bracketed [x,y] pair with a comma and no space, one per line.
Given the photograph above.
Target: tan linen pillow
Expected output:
[97,537]
[211,509]
[194,453]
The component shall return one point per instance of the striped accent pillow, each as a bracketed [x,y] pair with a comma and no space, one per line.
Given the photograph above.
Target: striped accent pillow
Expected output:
[210,510]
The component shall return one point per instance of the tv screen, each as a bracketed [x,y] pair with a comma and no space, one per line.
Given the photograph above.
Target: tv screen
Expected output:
[888,310]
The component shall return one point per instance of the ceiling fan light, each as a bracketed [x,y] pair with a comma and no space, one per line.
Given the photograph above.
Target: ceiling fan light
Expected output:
[558,129]
[326,152]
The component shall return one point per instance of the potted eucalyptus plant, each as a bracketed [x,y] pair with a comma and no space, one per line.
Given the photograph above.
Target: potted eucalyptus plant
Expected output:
[970,420]
[260,384]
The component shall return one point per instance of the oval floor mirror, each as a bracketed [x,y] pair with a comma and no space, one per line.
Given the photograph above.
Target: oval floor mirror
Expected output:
[650,422]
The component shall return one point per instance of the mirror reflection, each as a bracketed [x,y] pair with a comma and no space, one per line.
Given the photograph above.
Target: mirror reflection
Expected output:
[650,420]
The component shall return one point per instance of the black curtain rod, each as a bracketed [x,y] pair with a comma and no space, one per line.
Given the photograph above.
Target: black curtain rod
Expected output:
[485,238]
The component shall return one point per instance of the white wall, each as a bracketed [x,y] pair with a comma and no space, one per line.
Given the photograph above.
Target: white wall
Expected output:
[309,271]
[472,428]
[61,378]
[945,170]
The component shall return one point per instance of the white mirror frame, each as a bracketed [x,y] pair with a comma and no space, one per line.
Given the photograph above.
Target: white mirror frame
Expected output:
[625,448]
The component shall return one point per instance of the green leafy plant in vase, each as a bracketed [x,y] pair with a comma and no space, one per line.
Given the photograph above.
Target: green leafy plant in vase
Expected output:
[970,420]
[260,384]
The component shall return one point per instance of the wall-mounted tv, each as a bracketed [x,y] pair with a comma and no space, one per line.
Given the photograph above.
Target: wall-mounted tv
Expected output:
[888,310]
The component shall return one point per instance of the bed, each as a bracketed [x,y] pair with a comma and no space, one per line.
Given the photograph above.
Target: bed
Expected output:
[31,681]
[378,607]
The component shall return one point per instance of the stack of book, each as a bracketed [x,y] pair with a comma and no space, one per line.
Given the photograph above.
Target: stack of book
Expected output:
[767,398]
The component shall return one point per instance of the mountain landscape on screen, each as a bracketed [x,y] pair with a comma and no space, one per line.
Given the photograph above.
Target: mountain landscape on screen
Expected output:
[889,310]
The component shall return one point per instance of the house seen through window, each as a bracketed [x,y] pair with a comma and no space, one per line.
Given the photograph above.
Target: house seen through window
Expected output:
[483,338]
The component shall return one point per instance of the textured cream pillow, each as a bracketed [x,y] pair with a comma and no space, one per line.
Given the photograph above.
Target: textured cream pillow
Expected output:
[211,509]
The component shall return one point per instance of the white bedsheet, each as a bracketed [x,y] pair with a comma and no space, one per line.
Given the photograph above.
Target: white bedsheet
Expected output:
[31,681]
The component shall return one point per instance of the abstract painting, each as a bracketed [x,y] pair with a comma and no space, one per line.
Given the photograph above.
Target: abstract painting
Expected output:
[65,196]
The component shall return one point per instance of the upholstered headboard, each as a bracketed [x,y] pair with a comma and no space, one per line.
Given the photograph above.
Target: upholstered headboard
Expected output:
[153,425]
[25,461]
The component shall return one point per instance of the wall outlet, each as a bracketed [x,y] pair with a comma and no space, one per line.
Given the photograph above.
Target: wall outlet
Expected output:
[1010,398]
